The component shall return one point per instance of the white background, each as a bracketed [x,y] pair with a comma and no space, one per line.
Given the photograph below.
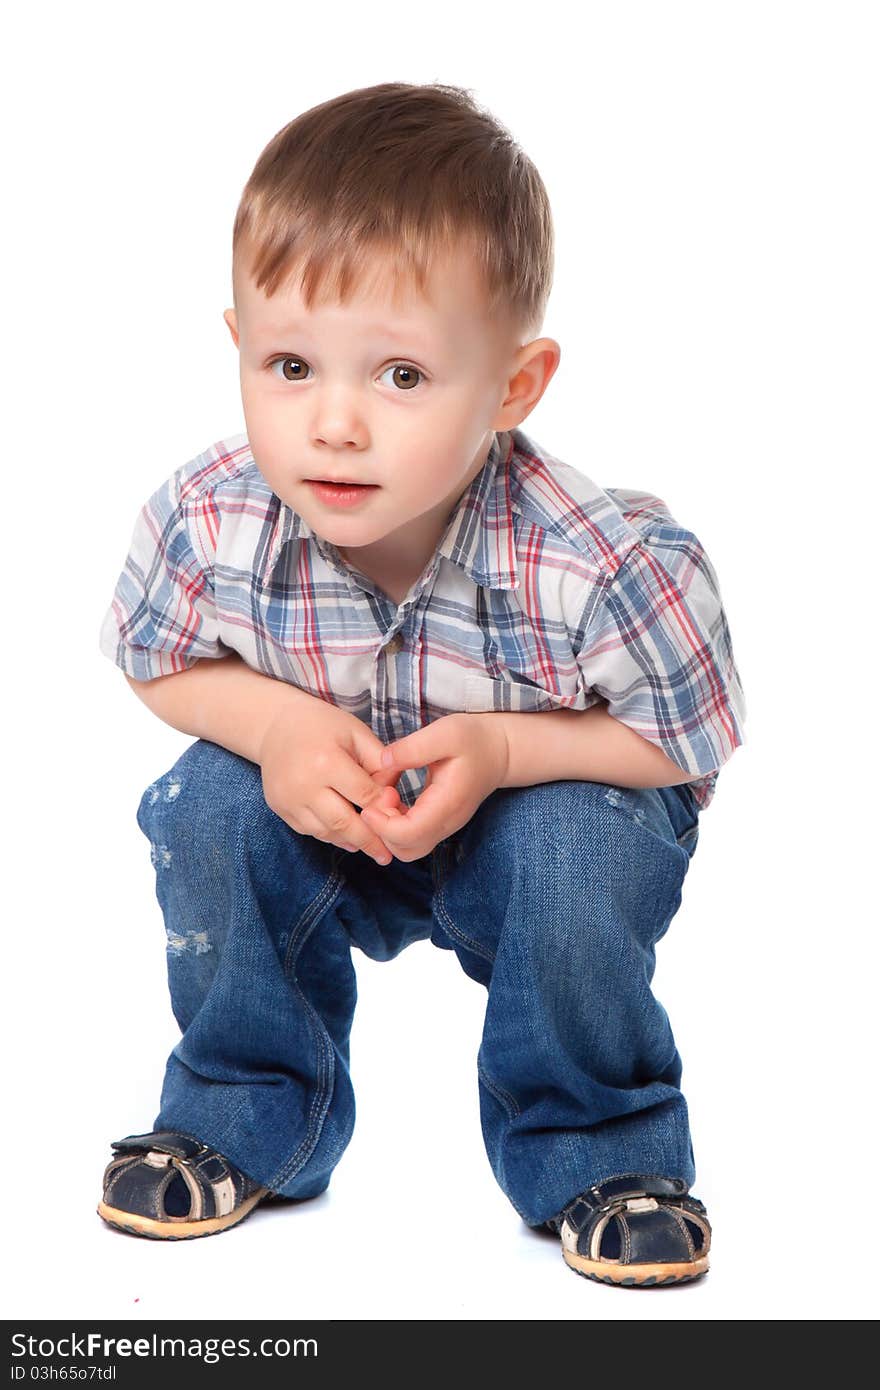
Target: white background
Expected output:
[713,174]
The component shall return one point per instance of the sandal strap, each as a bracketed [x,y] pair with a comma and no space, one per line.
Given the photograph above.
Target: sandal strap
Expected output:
[146,1165]
[630,1185]
[164,1140]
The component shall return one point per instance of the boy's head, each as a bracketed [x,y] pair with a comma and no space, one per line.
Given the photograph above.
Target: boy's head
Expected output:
[392,259]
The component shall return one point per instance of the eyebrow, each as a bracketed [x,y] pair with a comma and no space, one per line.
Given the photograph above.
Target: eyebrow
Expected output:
[378,331]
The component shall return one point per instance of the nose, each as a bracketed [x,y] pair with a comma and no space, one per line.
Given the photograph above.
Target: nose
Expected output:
[338,422]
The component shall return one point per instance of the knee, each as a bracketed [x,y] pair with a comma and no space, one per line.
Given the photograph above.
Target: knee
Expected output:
[591,867]
[547,822]
[208,792]
[579,832]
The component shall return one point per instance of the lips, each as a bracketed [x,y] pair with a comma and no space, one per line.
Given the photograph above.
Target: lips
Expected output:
[341,494]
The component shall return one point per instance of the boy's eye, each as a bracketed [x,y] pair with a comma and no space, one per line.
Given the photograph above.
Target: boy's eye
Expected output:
[406,375]
[292,368]
[296,369]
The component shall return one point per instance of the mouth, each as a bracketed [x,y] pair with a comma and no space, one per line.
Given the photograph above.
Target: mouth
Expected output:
[339,482]
[340,494]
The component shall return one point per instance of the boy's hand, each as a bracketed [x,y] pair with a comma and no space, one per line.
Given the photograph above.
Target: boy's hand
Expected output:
[319,764]
[466,757]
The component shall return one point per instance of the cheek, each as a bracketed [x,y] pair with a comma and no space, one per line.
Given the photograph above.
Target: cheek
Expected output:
[272,453]
[265,424]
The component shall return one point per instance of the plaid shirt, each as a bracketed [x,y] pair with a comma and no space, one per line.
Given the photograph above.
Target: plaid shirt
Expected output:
[546,591]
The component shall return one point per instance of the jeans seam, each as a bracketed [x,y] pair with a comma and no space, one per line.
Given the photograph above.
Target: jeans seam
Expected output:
[299,934]
[439,909]
[504,1098]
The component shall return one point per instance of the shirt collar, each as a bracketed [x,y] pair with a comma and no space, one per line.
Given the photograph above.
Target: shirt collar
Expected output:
[479,537]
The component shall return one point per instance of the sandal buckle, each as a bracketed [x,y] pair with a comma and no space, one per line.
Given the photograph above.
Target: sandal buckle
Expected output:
[642,1204]
[156,1159]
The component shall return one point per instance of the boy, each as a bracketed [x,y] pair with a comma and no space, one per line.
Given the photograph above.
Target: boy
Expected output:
[442,685]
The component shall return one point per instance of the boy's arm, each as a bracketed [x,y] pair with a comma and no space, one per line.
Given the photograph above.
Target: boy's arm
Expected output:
[222,700]
[583,745]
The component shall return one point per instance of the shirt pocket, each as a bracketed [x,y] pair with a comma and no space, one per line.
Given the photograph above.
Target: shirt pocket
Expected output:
[483,693]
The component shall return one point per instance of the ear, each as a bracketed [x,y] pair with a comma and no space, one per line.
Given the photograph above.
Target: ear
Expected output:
[231,324]
[529,376]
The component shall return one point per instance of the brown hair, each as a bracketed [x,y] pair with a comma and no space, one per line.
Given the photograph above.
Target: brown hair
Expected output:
[408,171]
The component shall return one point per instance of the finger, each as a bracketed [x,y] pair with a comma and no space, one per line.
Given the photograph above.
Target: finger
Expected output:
[392,814]
[313,825]
[310,825]
[426,745]
[367,751]
[385,777]
[388,800]
[352,781]
[342,824]
[423,826]
[351,787]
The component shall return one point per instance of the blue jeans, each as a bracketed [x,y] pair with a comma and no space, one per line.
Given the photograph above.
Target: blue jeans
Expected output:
[553,896]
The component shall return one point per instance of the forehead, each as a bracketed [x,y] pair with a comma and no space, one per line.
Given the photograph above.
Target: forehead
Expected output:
[385,300]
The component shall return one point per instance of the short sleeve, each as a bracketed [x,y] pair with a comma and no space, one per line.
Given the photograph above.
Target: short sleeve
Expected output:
[657,647]
[162,618]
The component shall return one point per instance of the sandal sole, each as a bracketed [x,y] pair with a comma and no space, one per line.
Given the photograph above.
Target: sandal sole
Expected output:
[644,1276]
[174,1228]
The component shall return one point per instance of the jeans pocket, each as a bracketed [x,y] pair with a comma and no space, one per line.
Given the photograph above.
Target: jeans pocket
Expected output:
[659,809]
[688,838]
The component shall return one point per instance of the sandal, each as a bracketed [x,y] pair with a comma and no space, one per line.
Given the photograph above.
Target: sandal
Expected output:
[635,1231]
[171,1186]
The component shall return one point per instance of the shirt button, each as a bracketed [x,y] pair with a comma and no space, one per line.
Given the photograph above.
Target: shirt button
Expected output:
[394,646]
